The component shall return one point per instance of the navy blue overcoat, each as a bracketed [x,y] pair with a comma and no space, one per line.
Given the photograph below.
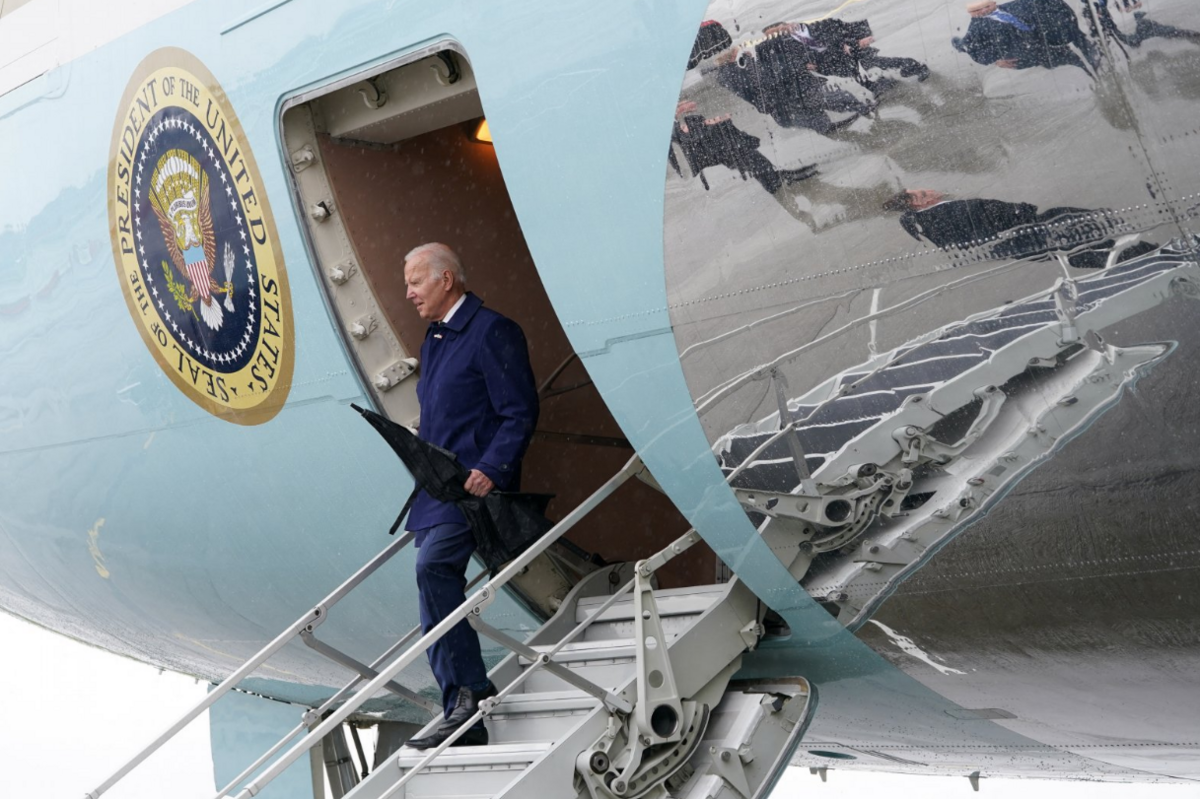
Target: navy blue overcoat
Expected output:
[478,400]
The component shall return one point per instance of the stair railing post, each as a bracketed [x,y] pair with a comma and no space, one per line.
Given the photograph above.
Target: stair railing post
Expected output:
[479,599]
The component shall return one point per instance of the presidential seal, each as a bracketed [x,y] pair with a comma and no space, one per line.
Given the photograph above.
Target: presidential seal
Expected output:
[194,242]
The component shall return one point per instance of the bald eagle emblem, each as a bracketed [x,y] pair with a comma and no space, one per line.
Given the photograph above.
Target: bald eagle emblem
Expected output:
[179,195]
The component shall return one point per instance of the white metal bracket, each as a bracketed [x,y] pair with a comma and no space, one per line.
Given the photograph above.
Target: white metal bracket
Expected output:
[391,376]
[659,711]
[728,764]
[340,273]
[303,158]
[363,327]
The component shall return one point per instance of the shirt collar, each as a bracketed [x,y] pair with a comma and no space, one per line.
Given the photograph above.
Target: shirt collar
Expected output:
[462,312]
[450,313]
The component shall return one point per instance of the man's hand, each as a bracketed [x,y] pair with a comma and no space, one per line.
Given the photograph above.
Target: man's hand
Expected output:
[1007,63]
[478,483]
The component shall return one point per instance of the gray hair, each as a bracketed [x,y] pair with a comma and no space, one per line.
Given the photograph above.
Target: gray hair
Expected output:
[439,258]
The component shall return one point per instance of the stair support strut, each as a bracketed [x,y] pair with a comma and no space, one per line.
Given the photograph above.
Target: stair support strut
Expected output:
[477,601]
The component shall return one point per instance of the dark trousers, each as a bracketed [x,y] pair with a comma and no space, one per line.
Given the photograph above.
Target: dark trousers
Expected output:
[442,556]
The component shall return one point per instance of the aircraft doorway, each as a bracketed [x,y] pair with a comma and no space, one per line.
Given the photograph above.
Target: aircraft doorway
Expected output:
[391,161]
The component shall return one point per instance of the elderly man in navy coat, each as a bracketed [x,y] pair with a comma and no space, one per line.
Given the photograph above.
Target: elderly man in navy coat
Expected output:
[1025,33]
[479,401]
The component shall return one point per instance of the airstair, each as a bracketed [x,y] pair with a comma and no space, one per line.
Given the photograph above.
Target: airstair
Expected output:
[627,691]
[568,720]
[865,476]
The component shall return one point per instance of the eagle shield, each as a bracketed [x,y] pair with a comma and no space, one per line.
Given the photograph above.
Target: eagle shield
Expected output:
[179,193]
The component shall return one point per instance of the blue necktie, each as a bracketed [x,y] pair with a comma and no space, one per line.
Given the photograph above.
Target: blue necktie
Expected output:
[1009,19]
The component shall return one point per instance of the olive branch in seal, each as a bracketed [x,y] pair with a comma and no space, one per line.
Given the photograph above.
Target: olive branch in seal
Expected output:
[178,291]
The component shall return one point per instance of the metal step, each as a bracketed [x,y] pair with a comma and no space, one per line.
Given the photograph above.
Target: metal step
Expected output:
[671,602]
[607,668]
[711,629]
[543,716]
[590,651]
[537,735]
[677,608]
[464,771]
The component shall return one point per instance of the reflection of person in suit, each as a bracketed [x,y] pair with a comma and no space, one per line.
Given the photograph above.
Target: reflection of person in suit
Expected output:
[707,137]
[716,141]
[1025,33]
[844,49]
[776,80]
[1010,230]
[1145,28]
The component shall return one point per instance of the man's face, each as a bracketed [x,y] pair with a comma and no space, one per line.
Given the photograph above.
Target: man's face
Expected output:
[920,199]
[981,9]
[430,291]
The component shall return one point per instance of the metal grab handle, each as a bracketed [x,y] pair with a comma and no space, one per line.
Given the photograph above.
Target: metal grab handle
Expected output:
[312,618]
[479,599]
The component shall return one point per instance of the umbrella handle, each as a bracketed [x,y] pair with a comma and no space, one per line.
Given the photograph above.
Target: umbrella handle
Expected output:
[404,511]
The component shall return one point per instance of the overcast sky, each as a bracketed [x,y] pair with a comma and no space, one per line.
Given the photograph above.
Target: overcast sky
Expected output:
[72,714]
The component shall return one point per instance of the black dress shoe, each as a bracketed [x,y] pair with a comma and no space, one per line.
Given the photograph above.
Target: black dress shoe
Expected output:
[428,742]
[465,707]
[476,736]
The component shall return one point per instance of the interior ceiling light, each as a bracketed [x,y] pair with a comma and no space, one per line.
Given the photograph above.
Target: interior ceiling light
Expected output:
[483,133]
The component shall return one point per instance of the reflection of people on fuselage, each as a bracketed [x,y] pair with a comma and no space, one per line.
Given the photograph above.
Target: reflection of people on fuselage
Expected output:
[1145,28]
[775,78]
[821,205]
[709,138]
[712,142]
[1011,230]
[1025,33]
[844,49]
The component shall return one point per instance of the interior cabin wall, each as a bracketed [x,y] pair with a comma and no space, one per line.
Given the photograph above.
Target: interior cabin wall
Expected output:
[445,186]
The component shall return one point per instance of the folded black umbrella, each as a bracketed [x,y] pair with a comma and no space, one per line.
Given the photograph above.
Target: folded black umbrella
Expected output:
[504,523]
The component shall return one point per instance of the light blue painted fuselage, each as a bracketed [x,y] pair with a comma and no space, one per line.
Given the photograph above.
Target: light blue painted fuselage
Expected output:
[132,519]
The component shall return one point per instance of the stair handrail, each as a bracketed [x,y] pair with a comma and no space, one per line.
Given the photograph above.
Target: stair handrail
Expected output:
[308,621]
[474,603]
[540,660]
[466,725]
[310,717]
[712,396]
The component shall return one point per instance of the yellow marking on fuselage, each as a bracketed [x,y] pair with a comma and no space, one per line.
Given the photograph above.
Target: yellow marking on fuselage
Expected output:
[94,548]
